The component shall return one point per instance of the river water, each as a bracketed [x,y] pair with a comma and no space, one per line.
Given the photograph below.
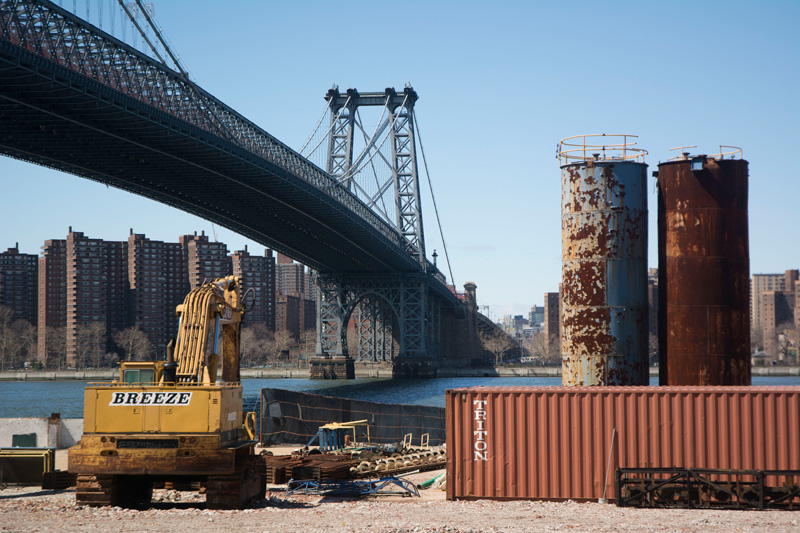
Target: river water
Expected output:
[41,398]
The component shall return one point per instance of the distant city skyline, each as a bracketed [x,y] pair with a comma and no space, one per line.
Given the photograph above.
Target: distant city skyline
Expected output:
[499,86]
[81,287]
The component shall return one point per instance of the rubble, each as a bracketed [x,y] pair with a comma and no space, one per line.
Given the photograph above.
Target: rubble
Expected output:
[32,509]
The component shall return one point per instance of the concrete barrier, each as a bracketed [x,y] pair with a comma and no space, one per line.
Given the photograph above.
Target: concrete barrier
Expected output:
[60,375]
[361,372]
[51,432]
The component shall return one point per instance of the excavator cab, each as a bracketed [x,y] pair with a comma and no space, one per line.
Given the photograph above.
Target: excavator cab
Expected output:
[148,372]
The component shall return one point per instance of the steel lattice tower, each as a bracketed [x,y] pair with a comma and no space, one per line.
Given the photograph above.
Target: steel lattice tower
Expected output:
[373,300]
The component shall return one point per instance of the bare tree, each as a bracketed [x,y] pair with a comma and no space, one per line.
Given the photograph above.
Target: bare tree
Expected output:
[91,345]
[134,343]
[26,341]
[537,344]
[255,344]
[7,336]
[281,342]
[308,343]
[554,349]
[497,342]
[55,347]
[247,347]
[787,342]
[756,340]
[652,348]
[352,345]
[97,343]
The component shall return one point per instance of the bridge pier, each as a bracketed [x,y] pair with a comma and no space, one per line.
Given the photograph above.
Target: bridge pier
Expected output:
[414,367]
[331,368]
[389,309]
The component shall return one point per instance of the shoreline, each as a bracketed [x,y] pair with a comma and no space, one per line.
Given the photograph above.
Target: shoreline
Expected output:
[384,372]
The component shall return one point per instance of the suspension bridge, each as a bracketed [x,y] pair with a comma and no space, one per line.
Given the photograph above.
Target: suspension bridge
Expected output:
[80,100]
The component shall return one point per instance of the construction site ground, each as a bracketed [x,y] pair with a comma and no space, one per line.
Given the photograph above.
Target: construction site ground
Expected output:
[34,509]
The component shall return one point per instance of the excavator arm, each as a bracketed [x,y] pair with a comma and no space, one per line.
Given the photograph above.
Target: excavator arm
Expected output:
[208,334]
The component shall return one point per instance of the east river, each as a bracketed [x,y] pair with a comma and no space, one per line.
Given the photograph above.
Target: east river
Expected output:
[41,398]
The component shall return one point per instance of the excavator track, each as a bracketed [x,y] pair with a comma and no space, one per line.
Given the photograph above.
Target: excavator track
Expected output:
[94,490]
[97,490]
[236,491]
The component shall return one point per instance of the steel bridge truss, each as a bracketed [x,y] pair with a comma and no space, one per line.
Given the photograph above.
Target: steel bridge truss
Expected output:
[374,324]
[378,302]
[50,32]
[154,123]
[404,179]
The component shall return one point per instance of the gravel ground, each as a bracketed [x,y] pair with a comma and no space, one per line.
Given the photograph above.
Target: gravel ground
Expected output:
[32,509]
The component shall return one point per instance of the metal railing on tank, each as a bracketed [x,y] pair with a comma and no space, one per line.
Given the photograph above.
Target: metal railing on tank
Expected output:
[731,153]
[599,147]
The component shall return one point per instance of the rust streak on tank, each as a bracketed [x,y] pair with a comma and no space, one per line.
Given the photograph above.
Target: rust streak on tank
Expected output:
[604,254]
[704,272]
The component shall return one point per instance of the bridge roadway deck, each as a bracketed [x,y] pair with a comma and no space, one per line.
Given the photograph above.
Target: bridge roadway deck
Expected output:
[59,120]
[66,110]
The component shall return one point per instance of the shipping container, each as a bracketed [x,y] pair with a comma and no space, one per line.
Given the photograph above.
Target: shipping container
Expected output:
[556,442]
[703,271]
[604,328]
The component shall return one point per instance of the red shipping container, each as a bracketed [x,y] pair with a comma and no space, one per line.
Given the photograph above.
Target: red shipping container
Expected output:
[555,442]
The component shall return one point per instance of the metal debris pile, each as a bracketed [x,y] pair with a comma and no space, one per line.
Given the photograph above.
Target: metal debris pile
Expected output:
[398,462]
[379,461]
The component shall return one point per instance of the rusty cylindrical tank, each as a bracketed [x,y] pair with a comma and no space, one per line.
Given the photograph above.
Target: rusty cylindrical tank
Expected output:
[604,336]
[704,272]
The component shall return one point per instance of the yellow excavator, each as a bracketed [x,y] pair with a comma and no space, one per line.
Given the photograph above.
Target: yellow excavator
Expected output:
[178,421]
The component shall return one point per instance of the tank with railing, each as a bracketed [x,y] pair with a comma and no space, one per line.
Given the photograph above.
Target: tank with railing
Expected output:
[604,260]
[725,151]
[600,147]
[704,268]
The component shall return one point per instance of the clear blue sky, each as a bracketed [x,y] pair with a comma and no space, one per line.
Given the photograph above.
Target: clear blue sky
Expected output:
[500,83]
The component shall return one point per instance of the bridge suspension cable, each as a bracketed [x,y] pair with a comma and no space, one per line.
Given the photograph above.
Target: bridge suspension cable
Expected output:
[161,37]
[355,170]
[194,90]
[380,190]
[380,127]
[316,128]
[433,198]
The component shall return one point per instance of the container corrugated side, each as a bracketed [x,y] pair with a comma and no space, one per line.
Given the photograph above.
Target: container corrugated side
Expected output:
[554,442]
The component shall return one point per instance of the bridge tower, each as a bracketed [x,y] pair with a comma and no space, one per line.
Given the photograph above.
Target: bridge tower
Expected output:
[392,312]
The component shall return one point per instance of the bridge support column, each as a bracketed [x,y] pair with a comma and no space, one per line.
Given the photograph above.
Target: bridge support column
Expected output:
[376,302]
[413,359]
[374,327]
[331,361]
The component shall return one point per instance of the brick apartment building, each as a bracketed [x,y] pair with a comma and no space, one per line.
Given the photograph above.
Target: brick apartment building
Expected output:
[759,284]
[19,284]
[52,296]
[205,260]
[291,276]
[287,314]
[312,290]
[296,307]
[295,314]
[257,273]
[80,281]
[552,323]
[158,282]
[96,288]
[777,306]
[652,300]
